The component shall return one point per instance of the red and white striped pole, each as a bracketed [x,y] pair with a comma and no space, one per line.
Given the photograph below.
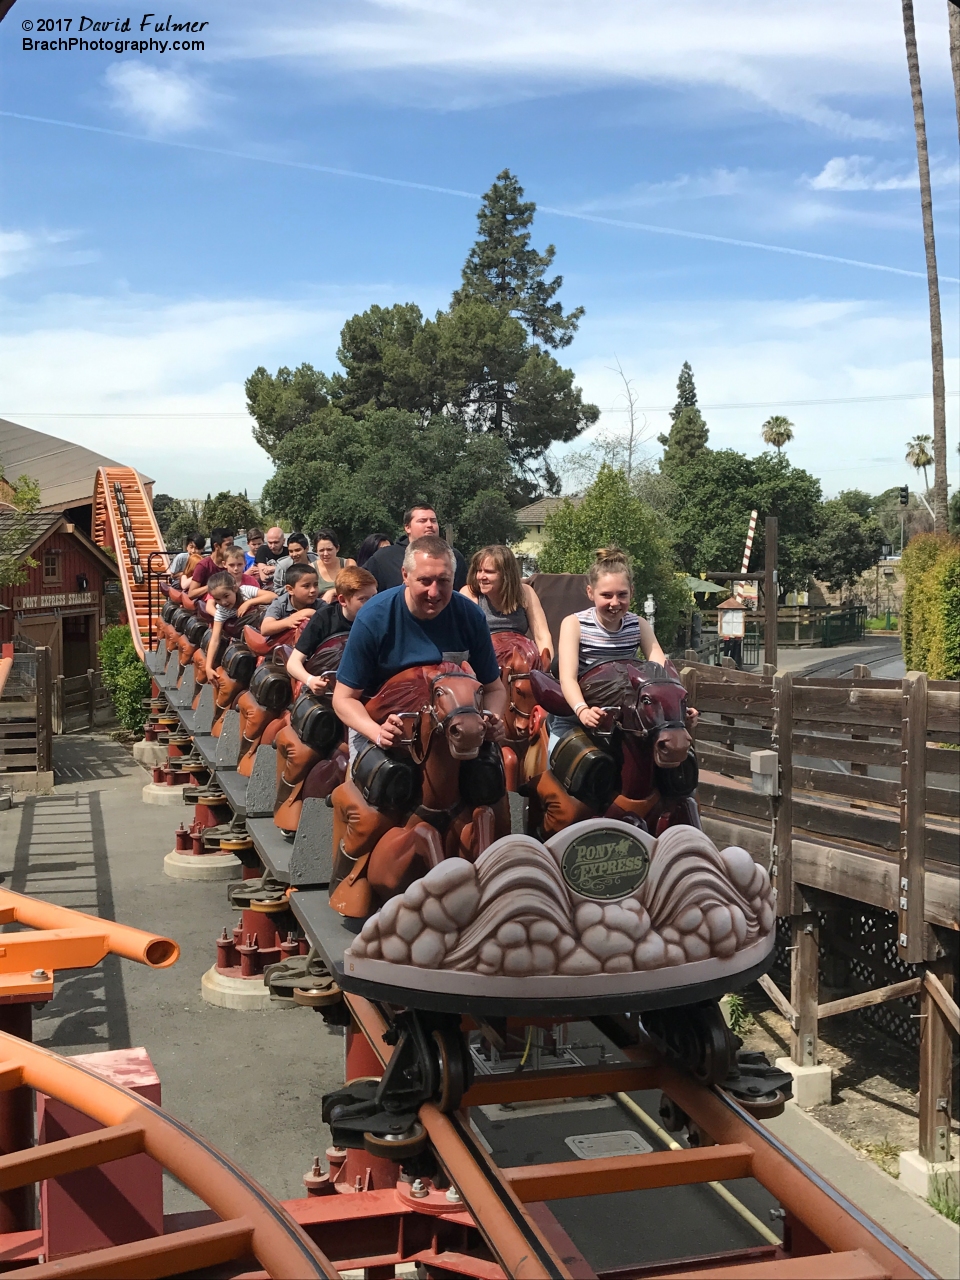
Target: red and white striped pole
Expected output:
[749,547]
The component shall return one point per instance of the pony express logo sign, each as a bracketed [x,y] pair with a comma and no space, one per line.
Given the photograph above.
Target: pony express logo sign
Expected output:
[54,601]
[605,864]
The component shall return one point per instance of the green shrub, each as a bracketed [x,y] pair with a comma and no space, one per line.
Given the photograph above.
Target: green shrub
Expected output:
[930,616]
[944,660]
[124,676]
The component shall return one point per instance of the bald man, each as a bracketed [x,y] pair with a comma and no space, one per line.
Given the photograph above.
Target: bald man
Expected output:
[273,549]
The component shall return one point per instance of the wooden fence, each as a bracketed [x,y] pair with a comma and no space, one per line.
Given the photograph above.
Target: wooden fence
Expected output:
[81,703]
[26,718]
[864,806]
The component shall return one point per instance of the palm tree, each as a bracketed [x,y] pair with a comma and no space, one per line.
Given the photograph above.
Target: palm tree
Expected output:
[919,456]
[777,431]
[940,514]
[953,17]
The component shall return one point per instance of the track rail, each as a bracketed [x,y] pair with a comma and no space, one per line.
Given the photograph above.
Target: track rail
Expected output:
[133,540]
[828,1237]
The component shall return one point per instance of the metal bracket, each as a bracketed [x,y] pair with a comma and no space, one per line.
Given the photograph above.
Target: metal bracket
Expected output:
[430,1062]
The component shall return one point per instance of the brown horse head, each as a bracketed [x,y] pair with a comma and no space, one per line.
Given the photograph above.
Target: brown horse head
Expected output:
[455,711]
[517,656]
[444,700]
[647,702]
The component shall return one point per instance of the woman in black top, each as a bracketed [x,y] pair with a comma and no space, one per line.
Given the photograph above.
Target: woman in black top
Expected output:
[354,587]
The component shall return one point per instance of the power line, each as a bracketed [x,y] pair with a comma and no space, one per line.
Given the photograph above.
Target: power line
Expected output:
[649,408]
[780,404]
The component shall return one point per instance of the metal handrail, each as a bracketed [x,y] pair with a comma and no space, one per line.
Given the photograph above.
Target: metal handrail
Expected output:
[150,577]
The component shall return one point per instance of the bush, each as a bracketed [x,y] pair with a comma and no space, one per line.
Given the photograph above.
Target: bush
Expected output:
[930,616]
[124,676]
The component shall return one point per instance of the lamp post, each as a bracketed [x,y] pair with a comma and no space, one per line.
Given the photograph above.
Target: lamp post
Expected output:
[650,608]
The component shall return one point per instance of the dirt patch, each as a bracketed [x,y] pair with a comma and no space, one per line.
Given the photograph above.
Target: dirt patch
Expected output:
[875,1080]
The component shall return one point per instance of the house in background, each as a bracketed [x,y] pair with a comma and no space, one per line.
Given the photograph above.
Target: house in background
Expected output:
[66,472]
[532,519]
[60,603]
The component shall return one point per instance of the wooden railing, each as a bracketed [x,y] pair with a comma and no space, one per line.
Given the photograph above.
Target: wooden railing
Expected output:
[854,795]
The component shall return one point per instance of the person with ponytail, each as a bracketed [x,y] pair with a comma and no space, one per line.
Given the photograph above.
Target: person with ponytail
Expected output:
[606,632]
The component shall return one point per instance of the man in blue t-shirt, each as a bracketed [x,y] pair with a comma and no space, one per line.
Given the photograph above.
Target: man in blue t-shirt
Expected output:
[421,623]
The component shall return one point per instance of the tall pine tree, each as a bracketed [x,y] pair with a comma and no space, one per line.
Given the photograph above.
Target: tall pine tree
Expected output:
[503,268]
[688,435]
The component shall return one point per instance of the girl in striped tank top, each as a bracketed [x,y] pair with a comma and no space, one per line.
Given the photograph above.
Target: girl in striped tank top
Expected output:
[603,633]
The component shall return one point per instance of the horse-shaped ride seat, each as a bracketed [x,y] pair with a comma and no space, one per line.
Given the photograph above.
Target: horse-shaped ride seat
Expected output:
[440,793]
[263,703]
[638,765]
[518,656]
[311,746]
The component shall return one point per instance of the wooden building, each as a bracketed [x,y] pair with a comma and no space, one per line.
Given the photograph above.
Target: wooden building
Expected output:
[60,603]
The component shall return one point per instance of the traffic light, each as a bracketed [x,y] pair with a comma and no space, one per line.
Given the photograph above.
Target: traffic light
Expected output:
[904,495]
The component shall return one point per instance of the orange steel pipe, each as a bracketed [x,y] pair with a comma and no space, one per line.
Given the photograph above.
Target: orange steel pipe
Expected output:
[282,1248]
[608,1174]
[798,1193]
[117,939]
[6,665]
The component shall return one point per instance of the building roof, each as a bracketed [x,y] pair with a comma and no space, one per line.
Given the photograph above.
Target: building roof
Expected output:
[40,525]
[537,512]
[66,472]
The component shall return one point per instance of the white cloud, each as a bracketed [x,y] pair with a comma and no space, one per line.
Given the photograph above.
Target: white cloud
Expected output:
[27,250]
[809,61]
[863,173]
[159,100]
[87,355]
[778,352]
[686,186]
[68,355]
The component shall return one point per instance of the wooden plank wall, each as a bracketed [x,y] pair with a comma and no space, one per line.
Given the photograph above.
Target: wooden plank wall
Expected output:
[868,811]
[845,826]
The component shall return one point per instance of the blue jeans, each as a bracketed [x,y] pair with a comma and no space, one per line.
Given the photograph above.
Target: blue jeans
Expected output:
[558,727]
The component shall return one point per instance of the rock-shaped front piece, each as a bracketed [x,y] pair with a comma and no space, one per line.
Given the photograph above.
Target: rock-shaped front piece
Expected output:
[599,898]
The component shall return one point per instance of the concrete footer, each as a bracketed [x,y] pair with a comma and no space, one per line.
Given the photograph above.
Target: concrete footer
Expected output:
[149,753]
[928,1179]
[160,793]
[811,1085]
[243,994]
[203,866]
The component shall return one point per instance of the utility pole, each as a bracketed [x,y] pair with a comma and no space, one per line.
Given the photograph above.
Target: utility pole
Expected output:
[770,590]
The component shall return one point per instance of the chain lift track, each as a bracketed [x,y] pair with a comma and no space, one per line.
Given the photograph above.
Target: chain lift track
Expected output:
[124,522]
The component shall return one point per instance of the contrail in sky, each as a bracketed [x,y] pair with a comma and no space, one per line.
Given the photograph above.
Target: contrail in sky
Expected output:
[407,183]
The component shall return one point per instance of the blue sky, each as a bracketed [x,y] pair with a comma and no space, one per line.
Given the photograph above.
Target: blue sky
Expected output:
[192,228]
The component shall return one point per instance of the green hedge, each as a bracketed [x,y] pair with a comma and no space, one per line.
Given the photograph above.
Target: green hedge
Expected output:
[930,616]
[125,676]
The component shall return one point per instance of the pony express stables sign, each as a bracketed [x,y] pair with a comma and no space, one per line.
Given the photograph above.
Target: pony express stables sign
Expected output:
[606,865]
[21,603]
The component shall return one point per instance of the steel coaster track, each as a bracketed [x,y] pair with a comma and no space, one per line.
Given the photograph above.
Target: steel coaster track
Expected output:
[857,1247]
